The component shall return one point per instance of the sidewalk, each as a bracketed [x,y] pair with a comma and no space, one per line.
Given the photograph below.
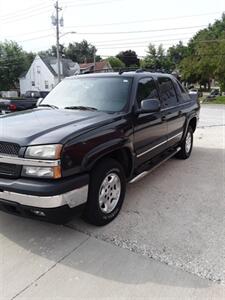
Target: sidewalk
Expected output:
[44,261]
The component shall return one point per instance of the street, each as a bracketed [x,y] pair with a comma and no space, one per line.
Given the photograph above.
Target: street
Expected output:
[167,242]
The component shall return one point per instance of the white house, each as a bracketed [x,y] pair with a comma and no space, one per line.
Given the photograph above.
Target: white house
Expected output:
[43,73]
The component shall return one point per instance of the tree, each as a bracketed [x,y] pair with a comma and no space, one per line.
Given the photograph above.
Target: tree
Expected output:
[53,51]
[81,52]
[129,58]
[220,68]
[156,59]
[115,62]
[13,61]
[177,53]
[205,56]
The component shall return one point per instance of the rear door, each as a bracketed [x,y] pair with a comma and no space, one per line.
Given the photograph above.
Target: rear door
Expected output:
[150,131]
[171,110]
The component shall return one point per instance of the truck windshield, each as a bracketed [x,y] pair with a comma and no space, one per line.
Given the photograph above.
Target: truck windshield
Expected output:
[105,94]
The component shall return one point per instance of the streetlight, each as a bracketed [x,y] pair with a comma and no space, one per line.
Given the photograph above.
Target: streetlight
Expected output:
[69,32]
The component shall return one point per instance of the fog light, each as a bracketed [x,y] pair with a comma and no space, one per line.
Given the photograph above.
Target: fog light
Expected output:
[38,213]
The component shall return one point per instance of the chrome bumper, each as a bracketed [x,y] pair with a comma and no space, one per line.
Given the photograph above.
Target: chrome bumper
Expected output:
[72,199]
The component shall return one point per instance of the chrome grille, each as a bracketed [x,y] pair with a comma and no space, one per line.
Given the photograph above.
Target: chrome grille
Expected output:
[9,170]
[9,148]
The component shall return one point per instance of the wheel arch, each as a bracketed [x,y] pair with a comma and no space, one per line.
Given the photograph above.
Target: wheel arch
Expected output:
[193,123]
[122,155]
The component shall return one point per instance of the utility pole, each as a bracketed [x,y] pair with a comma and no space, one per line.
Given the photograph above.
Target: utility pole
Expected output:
[56,22]
[94,60]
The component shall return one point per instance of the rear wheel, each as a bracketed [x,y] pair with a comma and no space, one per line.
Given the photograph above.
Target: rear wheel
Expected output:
[106,192]
[186,145]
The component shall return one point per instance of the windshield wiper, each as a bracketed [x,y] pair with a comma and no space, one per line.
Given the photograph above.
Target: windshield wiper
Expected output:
[49,105]
[81,108]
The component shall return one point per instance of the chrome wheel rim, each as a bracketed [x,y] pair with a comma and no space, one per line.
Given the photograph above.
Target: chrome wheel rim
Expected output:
[188,142]
[109,193]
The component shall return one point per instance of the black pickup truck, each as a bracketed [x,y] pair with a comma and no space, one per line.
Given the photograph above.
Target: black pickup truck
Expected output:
[88,138]
[28,101]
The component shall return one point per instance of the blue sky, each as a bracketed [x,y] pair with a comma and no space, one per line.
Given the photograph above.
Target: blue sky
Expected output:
[29,23]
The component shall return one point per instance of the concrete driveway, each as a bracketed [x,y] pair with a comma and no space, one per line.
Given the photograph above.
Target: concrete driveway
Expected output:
[172,222]
[176,214]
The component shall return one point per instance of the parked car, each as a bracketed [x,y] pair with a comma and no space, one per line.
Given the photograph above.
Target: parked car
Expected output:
[28,101]
[213,94]
[8,106]
[35,94]
[88,138]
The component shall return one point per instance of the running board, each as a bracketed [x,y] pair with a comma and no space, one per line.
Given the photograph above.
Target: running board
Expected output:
[143,174]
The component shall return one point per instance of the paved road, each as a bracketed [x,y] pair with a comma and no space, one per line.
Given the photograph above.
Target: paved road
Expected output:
[212,115]
[172,221]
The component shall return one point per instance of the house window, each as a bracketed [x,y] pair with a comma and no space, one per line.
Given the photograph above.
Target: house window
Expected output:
[46,84]
[38,69]
[33,83]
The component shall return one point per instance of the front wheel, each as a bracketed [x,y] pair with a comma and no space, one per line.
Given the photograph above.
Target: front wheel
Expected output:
[106,192]
[186,145]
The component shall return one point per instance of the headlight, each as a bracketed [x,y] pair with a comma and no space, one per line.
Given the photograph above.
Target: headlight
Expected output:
[44,152]
[42,172]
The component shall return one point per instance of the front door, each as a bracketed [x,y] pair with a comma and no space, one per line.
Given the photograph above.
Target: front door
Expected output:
[150,130]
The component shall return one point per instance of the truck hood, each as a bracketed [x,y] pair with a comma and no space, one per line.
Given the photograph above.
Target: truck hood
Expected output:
[47,125]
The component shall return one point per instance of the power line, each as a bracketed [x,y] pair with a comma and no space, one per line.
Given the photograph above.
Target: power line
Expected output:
[139,31]
[145,37]
[140,42]
[23,11]
[157,41]
[105,41]
[90,3]
[26,16]
[111,44]
[29,33]
[143,21]
[123,23]
[36,38]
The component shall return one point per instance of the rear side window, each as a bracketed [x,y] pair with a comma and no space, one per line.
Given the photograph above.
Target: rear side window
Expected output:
[167,92]
[146,90]
[181,92]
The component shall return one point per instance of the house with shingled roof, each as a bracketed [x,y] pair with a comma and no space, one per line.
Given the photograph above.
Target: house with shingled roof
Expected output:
[43,73]
[101,66]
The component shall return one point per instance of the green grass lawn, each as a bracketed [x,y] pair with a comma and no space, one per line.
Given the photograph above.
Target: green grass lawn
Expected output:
[218,100]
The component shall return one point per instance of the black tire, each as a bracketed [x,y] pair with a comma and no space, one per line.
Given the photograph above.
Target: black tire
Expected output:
[93,212]
[184,153]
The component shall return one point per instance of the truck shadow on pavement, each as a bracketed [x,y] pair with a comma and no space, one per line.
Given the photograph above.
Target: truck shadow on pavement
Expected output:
[174,215]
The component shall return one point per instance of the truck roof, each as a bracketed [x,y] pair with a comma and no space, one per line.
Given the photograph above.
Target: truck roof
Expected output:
[132,74]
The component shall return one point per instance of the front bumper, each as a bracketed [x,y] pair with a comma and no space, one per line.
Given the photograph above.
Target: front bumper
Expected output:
[70,192]
[72,199]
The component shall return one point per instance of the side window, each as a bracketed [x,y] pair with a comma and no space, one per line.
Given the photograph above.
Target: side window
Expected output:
[146,90]
[182,90]
[183,94]
[167,92]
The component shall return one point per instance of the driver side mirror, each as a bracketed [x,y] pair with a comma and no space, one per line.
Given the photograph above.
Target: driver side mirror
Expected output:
[149,106]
